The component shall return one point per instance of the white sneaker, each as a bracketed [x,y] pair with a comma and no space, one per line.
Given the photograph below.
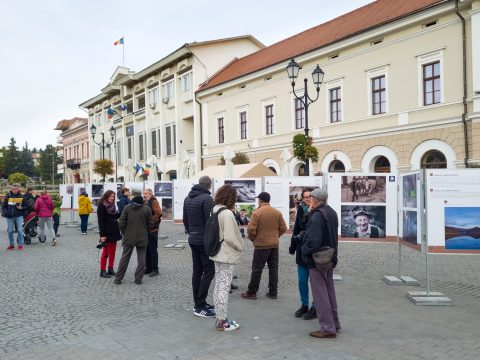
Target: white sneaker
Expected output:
[227,325]
[54,242]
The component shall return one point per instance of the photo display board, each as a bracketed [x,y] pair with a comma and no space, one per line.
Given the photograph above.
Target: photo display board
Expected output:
[181,188]
[95,192]
[66,192]
[163,191]
[366,204]
[77,189]
[136,188]
[453,209]
[285,193]
[410,214]
[247,190]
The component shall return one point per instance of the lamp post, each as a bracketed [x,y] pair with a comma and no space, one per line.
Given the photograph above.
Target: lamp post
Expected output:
[103,144]
[317,76]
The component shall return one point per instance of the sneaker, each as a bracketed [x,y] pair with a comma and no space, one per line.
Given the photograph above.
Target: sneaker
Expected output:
[204,312]
[20,247]
[300,312]
[54,242]
[310,315]
[271,296]
[84,233]
[227,325]
[11,247]
[154,273]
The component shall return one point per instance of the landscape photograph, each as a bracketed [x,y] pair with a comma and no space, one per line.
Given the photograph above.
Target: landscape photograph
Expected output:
[462,228]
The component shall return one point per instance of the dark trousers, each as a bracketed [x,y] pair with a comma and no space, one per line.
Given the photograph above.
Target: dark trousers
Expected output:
[202,275]
[125,259]
[260,257]
[152,252]
[323,292]
[83,223]
[56,222]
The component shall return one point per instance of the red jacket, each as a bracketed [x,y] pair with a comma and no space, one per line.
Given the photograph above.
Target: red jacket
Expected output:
[44,206]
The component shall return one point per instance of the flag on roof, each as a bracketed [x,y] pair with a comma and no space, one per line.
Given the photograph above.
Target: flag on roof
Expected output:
[119,42]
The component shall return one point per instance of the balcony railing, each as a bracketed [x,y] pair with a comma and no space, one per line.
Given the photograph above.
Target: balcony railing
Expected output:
[74,164]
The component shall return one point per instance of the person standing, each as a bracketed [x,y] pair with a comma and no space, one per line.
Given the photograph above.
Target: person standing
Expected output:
[228,255]
[84,209]
[109,230]
[152,248]
[322,230]
[123,199]
[296,247]
[30,199]
[264,230]
[134,223]
[12,208]
[44,210]
[57,203]
[197,208]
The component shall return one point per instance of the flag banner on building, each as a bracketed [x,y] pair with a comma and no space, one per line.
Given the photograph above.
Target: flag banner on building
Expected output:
[138,169]
[146,170]
[110,112]
[122,107]
[119,42]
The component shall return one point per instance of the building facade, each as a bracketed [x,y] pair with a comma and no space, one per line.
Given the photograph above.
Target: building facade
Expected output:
[73,141]
[398,93]
[153,112]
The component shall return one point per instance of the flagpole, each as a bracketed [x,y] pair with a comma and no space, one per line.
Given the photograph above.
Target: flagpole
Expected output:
[123,51]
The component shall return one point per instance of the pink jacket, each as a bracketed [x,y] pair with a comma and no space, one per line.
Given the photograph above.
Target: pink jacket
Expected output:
[44,206]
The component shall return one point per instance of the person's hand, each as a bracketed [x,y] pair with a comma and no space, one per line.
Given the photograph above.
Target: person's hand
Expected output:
[103,238]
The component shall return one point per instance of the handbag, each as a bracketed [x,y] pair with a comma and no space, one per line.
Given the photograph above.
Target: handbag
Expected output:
[323,258]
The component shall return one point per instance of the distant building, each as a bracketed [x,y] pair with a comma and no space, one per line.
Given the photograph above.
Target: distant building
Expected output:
[154,113]
[73,144]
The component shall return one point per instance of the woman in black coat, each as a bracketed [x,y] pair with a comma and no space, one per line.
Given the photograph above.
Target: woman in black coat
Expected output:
[109,232]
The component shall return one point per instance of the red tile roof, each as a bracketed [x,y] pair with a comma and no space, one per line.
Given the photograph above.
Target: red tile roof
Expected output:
[365,18]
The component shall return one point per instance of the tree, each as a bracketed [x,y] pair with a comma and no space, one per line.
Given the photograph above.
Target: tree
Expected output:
[17,178]
[103,168]
[303,149]
[26,162]
[48,162]
[12,158]
[239,158]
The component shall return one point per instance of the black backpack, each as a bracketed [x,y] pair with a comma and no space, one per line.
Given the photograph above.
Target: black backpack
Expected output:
[211,237]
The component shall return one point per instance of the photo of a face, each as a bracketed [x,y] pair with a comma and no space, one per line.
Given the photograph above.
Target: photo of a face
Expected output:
[462,228]
[245,190]
[410,191]
[363,222]
[163,189]
[363,189]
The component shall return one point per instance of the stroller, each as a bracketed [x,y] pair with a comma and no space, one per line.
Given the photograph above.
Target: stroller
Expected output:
[30,224]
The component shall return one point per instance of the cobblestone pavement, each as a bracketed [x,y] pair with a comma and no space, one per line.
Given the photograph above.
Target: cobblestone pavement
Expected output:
[54,305]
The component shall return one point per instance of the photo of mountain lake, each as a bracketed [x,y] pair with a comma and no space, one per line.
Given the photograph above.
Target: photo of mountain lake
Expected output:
[462,228]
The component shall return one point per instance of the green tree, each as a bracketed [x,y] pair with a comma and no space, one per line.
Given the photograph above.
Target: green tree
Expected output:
[48,163]
[303,149]
[26,162]
[103,167]
[17,178]
[12,158]
[239,158]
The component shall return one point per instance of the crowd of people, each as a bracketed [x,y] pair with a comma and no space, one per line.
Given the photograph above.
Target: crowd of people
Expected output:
[135,220]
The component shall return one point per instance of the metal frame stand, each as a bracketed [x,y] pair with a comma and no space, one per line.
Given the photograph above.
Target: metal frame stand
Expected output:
[400,279]
[177,244]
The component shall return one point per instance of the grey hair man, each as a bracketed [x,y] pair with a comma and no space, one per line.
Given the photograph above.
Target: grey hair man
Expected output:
[322,230]
[197,208]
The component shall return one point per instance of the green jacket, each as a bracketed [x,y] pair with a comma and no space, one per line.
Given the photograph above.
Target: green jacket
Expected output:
[57,203]
[134,223]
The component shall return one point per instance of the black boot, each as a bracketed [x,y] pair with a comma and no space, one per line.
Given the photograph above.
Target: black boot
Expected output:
[111,272]
[310,315]
[104,274]
[301,311]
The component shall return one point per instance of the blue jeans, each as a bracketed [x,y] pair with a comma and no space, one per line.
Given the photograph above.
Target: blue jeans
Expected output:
[83,223]
[303,274]
[11,227]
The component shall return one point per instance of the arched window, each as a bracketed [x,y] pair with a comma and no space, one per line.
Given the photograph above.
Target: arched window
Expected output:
[273,169]
[382,165]
[336,166]
[301,170]
[433,159]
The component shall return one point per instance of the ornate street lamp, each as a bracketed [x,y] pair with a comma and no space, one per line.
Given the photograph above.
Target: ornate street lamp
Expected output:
[317,76]
[103,144]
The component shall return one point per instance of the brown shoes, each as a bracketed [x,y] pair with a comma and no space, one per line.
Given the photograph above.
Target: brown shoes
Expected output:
[319,334]
[248,296]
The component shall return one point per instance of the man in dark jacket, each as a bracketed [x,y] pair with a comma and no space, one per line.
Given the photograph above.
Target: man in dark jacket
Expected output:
[152,248]
[197,208]
[322,230]
[29,198]
[134,222]
[13,207]
[123,199]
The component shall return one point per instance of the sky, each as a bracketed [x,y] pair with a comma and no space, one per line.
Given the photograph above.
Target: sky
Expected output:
[56,54]
[463,217]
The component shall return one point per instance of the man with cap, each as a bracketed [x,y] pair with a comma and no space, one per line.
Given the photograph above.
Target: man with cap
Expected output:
[364,228]
[264,230]
[322,230]
[13,207]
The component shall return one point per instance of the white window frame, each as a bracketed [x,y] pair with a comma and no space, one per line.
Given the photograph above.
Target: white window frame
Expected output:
[153,96]
[219,116]
[98,119]
[294,112]
[142,145]
[186,79]
[265,103]
[172,139]
[168,89]
[374,73]
[241,109]
[424,59]
[119,149]
[329,85]
[137,98]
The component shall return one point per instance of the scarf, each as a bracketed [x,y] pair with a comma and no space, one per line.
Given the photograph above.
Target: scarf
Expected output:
[111,209]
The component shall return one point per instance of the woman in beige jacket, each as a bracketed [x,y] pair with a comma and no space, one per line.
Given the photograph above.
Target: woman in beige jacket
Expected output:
[229,255]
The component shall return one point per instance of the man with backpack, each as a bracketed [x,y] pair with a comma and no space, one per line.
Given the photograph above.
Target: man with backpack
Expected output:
[197,208]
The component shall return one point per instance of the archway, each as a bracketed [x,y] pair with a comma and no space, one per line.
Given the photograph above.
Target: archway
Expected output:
[333,156]
[418,154]
[380,159]
[272,165]
[382,165]
[336,166]
[433,159]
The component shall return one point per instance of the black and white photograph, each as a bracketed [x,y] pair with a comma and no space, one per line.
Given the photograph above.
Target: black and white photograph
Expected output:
[97,190]
[167,209]
[69,189]
[119,186]
[410,191]
[363,221]
[294,199]
[363,189]
[245,190]
[410,227]
[163,189]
